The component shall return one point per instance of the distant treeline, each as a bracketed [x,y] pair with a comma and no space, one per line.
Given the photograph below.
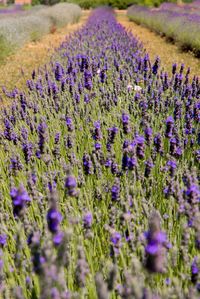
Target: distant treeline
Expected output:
[121,4]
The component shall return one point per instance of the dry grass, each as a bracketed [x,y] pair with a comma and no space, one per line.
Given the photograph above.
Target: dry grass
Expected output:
[158,46]
[18,67]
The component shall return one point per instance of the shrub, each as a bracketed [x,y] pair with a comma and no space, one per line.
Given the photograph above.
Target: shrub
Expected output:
[120,4]
[61,14]
[169,21]
[32,25]
[18,31]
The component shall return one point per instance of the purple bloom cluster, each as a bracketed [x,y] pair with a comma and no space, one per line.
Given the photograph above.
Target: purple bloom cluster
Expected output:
[156,245]
[53,219]
[19,198]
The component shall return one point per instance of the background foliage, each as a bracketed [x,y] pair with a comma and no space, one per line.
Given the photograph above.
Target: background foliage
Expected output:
[121,4]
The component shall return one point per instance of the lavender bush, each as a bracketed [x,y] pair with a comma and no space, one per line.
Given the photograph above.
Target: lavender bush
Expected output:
[169,20]
[61,14]
[99,170]
[17,30]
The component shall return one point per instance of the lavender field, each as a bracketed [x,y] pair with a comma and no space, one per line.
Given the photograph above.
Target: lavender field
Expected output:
[99,173]
[178,23]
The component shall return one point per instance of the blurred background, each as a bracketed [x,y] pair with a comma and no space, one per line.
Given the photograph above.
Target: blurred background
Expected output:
[87,4]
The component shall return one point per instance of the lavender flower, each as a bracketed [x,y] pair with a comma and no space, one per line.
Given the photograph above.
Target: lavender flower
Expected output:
[174,66]
[88,80]
[70,185]
[3,240]
[112,132]
[53,219]
[125,122]
[148,168]
[171,165]
[140,147]
[156,245]
[115,242]
[97,135]
[148,135]
[115,191]
[155,66]
[169,126]
[194,271]
[42,136]
[69,124]
[87,164]
[59,72]
[19,198]
[87,220]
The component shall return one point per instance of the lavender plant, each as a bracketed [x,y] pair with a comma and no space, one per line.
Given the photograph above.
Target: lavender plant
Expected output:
[21,28]
[169,20]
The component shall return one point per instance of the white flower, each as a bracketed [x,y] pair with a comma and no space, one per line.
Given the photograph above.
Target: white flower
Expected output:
[137,88]
[129,86]
[98,71]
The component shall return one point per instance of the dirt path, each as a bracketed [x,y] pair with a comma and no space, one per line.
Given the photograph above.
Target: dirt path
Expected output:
[18,67]
[157,46]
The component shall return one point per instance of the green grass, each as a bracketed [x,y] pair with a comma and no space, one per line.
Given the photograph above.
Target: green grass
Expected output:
[5,50]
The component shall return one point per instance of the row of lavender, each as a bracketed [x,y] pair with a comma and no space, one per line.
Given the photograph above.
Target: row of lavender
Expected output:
[20,27]
[99,172]
[11,9]
[186,7]
[180,24]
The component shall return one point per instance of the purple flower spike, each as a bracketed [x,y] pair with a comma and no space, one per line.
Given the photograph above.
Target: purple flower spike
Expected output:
[116,239]
[3,240]
[125,122]
[169,126]
[70,182]
[97,146]
[156,66]
[71,185]
[140,147]
[69,124]
[148,168]
[125,118]
[115,192]
[58,238]
[19,198]
[97,135]
[194,271]
[53,219]
[156,245]
[59,72]
[174,66]
[87,220]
